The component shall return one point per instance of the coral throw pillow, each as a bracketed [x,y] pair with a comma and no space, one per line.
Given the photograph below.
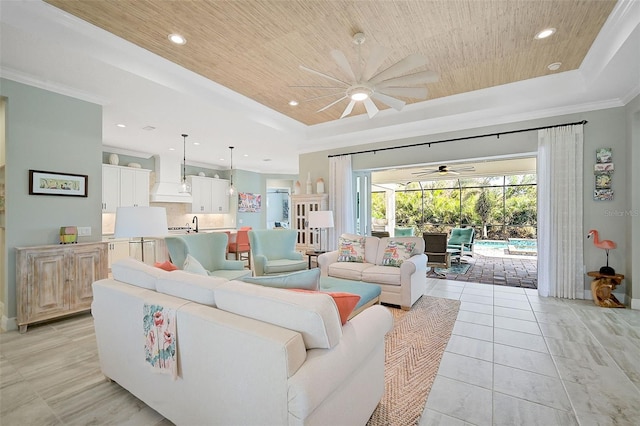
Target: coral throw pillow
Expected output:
[167,266]
[345,302]
[397,252]
[351,250]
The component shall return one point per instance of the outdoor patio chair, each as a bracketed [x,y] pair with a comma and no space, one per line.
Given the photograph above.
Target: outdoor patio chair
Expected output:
[461,243]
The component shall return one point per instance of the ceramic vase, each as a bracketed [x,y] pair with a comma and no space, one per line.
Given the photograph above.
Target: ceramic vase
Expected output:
[320,186]
[114,159]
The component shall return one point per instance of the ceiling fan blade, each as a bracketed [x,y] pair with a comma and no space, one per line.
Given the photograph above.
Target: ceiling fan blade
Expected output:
[412,61]
[394,103]
[348,109]
[324,75]
[405,92]
[411,79]
[377,56]
[424,172]
[371,108]
[450,172]
[466,169]
[343,63]
[332,103]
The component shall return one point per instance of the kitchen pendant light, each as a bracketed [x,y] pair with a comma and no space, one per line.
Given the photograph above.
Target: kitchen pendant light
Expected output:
[185,188]
[232,190]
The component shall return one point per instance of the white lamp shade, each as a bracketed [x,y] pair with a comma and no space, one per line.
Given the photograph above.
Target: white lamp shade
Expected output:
[132,222]
[321,219]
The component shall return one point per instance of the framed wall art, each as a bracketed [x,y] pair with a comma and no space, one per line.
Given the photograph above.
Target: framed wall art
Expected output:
[249,203]
[54,183]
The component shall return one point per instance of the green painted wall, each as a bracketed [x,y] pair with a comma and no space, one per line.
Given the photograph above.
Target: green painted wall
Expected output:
[50,132]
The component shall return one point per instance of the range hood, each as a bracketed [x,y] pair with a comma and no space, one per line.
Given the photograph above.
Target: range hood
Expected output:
[168,180]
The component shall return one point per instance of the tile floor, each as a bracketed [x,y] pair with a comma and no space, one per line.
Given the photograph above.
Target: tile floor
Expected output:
[519,359]
[513,359]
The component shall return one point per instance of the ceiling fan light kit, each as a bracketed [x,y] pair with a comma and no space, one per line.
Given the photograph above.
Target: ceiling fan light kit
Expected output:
[364,85]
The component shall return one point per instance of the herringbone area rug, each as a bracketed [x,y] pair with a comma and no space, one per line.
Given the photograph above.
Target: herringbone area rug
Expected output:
[413,350]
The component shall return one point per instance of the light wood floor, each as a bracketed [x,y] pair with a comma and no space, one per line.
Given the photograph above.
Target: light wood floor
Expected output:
[520,359]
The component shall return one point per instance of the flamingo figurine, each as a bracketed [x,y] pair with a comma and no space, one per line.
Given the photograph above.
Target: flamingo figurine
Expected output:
[606,245]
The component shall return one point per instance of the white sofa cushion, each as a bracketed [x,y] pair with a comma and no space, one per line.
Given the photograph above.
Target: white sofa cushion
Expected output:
[348,270]
[314,315]
[134,272]
[186,285]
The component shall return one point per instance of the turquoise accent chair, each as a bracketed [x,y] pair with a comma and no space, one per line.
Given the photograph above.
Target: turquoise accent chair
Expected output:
[274,252]
[210,249]
[461,242]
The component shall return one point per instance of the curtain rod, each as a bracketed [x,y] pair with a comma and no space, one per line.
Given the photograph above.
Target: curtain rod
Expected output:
[458,139]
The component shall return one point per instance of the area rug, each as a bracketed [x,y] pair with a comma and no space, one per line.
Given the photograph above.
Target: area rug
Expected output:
[455,269]
[413,350]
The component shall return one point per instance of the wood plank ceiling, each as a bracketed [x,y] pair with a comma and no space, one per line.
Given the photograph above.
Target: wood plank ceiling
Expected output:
[255,47]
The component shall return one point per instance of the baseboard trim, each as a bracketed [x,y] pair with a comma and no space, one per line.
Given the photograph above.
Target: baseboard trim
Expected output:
[635,304]
[8,324]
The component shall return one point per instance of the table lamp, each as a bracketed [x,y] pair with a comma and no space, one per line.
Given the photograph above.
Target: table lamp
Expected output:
[140,222]
[321,220]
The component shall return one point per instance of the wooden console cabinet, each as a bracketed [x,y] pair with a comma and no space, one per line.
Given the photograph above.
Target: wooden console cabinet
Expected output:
[53,281]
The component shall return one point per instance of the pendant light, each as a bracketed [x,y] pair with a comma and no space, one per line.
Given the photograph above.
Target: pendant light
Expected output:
[232,190]
[185,188]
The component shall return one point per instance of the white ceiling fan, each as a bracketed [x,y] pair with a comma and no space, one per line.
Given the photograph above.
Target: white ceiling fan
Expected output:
[444,170]
[364,83]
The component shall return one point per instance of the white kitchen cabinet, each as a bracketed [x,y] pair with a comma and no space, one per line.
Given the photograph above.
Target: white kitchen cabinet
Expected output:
[220,196]
[209,195]
[124,187]
[134,187]
[110,188]
[118,249]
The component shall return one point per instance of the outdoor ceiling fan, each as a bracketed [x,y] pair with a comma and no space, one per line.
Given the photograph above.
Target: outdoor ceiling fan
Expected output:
[364,84]
[444,170]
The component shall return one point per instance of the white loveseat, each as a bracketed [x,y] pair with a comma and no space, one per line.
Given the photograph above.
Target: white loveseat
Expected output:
[401,286]
[246,354]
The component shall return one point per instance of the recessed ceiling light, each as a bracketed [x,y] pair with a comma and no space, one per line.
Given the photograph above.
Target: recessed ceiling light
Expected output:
[177,39]
[245,155]
[196,143]
[221,159]
[547,32]
[293,103]
[121,125]
[172,149]
[554,66]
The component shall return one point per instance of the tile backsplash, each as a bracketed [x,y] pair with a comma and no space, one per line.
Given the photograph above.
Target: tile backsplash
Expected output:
[178,215]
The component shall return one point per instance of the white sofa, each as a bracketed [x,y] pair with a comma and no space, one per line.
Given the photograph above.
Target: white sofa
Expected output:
[401,286]
[247,354]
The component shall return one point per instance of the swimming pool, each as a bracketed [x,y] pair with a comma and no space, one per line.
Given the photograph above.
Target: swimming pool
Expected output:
[513,245]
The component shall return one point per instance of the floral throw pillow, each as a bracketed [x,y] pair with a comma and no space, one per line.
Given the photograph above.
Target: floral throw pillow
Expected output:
[397,252]
[351,250]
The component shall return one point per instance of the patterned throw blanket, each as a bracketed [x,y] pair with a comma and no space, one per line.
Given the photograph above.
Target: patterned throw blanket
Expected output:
[160,349]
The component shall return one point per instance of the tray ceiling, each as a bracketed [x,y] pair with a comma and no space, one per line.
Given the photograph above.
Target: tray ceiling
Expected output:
[255,47]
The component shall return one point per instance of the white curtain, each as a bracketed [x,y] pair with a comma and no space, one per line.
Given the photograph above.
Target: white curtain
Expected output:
[560,232]
[340,198]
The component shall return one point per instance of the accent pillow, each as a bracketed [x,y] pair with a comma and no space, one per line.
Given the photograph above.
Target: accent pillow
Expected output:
[397,252]
[307,280]
[193,266]
[166,265]
[344,301]
[351,250]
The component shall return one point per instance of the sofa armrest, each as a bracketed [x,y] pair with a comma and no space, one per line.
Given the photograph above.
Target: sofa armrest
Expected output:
[233,265]
[326,259]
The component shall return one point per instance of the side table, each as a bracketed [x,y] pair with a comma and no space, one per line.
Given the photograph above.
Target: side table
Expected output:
[602,288]
[313,253]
